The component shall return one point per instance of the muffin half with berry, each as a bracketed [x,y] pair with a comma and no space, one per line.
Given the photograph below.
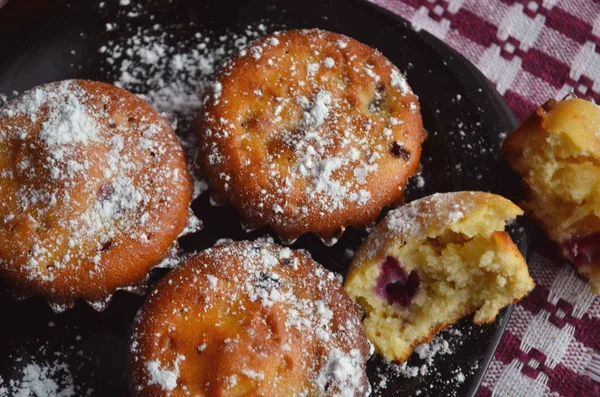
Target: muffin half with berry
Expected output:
[433,261]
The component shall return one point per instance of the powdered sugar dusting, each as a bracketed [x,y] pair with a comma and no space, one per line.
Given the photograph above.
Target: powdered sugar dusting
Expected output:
[427,351]
[315,115]
[324,148]
[415,217]
[79,185]
[344,369]
[173,73]
[399,81]
[249,278]
[41,380]
[425,364]
[164,377]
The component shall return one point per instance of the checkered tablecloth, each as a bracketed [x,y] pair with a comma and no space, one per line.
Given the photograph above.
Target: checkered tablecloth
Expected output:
[532,51]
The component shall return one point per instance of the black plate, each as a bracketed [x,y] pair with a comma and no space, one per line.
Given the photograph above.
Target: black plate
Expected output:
[42,41]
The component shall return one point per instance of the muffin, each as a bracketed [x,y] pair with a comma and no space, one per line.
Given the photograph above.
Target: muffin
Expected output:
[93,194]
[248,319]
[433,261]
[557,154]
[309,131]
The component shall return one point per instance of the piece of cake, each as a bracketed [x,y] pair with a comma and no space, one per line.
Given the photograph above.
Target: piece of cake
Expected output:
[557,154]
[94,191]
[433,261]
[309,131]
[249,319]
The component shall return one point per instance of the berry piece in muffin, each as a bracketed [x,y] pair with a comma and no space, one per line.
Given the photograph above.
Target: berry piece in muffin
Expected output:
[557,154]
[248,319]
[94,191]
[309,131]
[433,261]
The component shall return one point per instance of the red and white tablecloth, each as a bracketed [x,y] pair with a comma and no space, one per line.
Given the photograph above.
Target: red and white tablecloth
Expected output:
[532,50]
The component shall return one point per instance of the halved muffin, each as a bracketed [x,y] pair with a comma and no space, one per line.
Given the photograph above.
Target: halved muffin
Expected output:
[433,261]
[557,153]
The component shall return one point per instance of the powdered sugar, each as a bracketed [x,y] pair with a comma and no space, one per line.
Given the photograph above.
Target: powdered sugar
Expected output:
[71,124]
[404,221]
[342,370]
[315,115]
[261,277]
[41,380]
[399,81]
[414,218]
[312,68]
[82,164]
[323,149]
[172,73]
[420,181]
[67,124]
[426,364]
[164,377]
[427,351]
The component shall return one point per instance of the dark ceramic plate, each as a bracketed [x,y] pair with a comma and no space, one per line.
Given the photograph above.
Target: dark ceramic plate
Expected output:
[42,41]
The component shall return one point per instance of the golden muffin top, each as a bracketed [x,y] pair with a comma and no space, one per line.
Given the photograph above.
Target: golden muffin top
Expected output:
[309,130]
[249,318]
[94,190]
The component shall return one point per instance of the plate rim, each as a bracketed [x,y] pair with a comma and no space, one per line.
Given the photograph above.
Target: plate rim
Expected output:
[494,97]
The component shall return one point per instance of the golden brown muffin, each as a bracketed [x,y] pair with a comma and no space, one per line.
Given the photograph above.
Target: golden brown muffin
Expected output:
[557,153]
[94,191]
[248,319]
[309,131]
[433,261]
